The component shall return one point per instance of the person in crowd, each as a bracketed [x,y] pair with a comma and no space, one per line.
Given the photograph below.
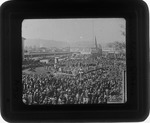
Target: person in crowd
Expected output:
[85,81]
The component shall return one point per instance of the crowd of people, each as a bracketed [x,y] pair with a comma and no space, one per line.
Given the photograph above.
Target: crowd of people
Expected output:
[99,82]
[31,63]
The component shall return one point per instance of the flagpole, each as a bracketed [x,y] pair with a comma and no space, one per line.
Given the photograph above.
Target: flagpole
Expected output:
[93,29]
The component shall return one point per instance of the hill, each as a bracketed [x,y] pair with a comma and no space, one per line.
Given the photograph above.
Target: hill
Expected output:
[58,44]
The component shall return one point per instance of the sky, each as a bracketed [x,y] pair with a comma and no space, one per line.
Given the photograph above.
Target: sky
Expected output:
[74,30]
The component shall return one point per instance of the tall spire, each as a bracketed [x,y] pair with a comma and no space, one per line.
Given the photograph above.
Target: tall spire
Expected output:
[95,42]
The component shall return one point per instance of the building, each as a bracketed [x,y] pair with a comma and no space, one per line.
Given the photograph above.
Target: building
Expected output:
[112,53]
[43,49]
[44,61]
[23,39]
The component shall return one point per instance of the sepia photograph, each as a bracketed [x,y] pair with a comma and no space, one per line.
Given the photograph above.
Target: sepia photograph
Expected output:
[74,61]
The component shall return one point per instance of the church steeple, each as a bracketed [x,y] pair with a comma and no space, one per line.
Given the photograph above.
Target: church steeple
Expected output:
[96,43]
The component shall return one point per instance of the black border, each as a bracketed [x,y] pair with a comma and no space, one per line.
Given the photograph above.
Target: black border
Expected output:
[136,14]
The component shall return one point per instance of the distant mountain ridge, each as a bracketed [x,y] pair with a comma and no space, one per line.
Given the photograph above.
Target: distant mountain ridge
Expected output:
[58,44]
[45,43]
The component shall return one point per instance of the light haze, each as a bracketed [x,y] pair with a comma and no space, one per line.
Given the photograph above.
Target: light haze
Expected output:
[75,30]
